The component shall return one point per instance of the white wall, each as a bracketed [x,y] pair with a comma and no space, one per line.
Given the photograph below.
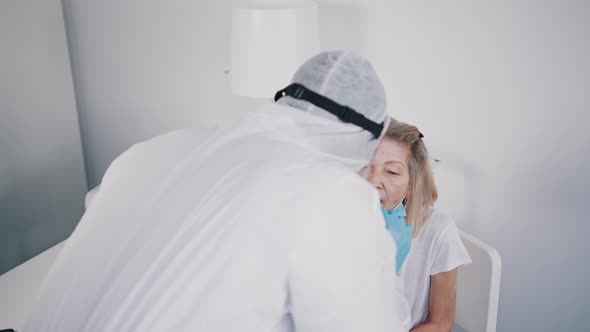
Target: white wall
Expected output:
[42,179]
[146,67]
[497,87]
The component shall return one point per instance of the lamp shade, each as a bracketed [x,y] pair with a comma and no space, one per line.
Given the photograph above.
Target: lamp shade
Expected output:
[268,43]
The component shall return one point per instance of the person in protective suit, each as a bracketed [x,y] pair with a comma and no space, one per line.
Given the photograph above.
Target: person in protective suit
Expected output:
[261,225]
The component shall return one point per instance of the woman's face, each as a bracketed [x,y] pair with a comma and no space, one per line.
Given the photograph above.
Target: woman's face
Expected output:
[389,172]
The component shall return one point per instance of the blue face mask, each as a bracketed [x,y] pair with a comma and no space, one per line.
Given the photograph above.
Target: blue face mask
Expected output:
[395,221]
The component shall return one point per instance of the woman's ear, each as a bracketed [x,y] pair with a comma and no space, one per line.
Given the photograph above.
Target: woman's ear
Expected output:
[407,197]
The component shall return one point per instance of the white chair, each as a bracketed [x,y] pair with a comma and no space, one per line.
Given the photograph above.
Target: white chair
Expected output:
[478,287]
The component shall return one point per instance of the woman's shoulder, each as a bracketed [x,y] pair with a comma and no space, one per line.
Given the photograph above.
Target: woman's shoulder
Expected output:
[448,251]
[436,223]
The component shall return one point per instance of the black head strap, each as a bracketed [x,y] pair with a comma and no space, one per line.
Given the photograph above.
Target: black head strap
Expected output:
[344,113]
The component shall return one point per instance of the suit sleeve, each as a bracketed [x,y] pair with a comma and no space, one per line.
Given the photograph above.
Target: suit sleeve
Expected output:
[342,275]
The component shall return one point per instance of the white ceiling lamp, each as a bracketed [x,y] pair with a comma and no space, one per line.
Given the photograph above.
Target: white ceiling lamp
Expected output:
[269,41]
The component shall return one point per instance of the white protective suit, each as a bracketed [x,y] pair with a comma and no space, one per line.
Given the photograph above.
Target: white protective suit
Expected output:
[261,226]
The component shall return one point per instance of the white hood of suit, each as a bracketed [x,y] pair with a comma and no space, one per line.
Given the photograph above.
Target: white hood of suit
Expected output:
[351,146]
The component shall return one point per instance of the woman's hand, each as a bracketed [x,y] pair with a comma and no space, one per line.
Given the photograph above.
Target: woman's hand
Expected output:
[443,300]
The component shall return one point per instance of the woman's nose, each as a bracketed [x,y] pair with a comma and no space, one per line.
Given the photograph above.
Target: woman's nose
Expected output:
[374,178]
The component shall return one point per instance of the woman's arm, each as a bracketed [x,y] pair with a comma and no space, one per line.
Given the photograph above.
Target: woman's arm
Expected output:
[443,298]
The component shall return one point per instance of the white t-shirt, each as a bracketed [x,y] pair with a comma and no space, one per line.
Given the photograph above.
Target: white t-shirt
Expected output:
[437,248]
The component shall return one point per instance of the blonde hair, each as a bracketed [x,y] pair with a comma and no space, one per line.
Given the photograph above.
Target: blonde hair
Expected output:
[422,191]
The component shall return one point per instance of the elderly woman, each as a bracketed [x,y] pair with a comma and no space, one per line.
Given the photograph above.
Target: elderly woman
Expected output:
[401,172]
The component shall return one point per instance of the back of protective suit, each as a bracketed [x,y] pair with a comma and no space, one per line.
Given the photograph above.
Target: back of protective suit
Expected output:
[247,230]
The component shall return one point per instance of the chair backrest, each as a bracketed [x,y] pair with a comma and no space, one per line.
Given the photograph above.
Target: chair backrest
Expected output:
[478,287]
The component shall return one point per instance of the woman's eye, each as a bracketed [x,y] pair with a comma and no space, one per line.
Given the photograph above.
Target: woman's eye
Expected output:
[392,172]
